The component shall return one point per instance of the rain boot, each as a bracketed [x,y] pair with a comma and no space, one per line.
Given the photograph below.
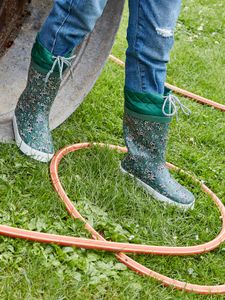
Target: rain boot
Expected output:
[146,124]
[31,118]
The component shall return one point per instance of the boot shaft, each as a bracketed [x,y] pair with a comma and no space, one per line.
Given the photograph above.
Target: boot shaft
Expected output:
[145,139]
[38,95]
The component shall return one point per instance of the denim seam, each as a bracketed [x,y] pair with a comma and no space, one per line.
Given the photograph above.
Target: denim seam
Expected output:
[154,75]
[143,77]
[140,65]
[136,42]
[155,18]
[62,24]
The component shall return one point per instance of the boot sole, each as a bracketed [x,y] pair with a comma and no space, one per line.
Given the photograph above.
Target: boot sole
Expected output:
[26,149]
[157,196]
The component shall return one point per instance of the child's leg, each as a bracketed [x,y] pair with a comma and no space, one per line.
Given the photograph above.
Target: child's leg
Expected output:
[150,39]
[68,23]
[64,29]
[148,105]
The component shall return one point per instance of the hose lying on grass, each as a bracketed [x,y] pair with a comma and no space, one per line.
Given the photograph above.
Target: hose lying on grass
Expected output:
[99,243]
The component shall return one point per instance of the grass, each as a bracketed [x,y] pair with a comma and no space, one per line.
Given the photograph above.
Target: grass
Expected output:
[113,203]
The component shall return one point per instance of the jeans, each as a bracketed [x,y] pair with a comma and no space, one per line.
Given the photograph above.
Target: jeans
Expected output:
[149,35]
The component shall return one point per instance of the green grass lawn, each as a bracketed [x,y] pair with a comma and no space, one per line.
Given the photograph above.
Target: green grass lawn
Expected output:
[113,203]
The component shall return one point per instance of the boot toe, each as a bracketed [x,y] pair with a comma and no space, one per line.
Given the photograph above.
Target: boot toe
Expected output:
[169,187]
[182,196]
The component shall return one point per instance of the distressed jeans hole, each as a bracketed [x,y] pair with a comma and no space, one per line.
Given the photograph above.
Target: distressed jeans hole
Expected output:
[165,32]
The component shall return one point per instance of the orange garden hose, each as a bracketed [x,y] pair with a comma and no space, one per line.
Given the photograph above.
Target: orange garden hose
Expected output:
[99,243]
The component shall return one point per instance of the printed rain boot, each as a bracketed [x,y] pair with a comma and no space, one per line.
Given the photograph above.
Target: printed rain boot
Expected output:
[31,118]
[146,125]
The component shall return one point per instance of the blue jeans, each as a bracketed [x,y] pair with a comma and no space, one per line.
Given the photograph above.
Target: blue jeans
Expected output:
[149,35]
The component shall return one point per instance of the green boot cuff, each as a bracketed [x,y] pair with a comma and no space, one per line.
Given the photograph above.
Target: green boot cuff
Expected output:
[43,59]
[147,106]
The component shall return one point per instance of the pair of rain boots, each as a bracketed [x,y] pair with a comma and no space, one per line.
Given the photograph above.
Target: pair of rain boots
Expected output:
[146,123]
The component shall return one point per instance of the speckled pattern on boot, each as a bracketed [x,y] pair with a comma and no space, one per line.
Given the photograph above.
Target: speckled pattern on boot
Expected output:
[146,143]
[31,120]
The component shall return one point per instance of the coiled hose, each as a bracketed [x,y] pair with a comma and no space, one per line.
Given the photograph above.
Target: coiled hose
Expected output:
[99,243]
